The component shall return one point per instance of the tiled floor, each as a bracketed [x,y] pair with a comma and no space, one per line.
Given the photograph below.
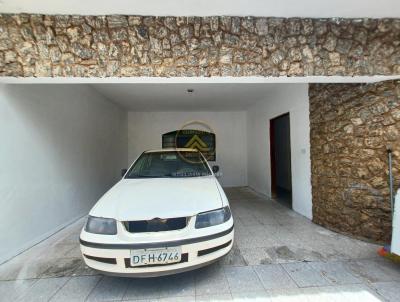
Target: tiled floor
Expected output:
[278,256]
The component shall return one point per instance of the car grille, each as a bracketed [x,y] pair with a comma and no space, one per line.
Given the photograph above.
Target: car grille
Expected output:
[101,259]
[156,225]
[213,249]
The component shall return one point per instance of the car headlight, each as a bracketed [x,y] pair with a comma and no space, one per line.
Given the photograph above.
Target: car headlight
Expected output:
[103,226]
[207,219]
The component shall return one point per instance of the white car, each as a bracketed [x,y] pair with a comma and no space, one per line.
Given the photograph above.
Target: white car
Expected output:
[167,215]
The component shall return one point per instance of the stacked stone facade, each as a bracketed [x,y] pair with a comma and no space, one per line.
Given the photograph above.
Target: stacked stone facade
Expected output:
[133,46]
[352,125]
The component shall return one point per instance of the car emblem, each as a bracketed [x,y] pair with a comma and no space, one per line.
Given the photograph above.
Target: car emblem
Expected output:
[159,220]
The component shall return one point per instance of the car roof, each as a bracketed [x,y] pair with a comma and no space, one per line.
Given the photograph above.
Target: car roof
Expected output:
[172,150]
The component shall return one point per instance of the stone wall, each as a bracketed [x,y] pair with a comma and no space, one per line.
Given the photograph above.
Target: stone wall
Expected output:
[351,127]
[127,46]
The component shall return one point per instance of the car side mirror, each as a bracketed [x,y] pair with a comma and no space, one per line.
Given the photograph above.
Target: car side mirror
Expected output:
[215,169]
[123,172]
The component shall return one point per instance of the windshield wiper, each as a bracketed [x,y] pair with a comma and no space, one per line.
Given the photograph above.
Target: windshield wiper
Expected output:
[145,176]
[169,175]
[188,175]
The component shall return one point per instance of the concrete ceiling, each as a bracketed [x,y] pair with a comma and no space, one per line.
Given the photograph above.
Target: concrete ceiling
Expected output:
[282,8]
[174,97]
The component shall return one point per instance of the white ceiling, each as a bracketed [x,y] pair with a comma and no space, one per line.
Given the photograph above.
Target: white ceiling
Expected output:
[174,97]
[277,8]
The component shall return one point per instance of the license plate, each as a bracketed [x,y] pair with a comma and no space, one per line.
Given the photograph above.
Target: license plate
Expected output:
[155,256]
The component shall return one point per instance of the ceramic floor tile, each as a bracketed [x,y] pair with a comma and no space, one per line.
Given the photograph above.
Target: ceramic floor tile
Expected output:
[287,295]
[257,296]
[389,290]
[274,276]
[76,289]
[147,288]
[83,270]
[323,294]
[178,285]
[215,298]
[304,275]
[12,290]
[242,279]
[373,270]
[357,292]
[211,280]
[109,289]
[178,299]
[335,272]
[44,289]
[265,232]
[256,256]
[64,267]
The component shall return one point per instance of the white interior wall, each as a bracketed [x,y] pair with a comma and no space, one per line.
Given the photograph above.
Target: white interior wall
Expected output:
[62,147]
[146,128]
[292,98]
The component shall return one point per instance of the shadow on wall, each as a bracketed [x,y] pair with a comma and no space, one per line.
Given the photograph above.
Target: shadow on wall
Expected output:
[62,148]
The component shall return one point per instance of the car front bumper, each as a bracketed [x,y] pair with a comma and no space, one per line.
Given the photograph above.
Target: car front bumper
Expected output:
[114,258]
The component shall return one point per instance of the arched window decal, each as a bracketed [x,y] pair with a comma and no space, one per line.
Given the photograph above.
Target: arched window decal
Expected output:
[191,138]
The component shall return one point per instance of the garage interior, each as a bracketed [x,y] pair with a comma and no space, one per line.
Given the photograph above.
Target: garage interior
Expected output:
[85,134]
[80,136]
[303,98]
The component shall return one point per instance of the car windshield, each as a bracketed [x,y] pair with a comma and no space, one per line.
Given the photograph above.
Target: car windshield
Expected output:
[169,164]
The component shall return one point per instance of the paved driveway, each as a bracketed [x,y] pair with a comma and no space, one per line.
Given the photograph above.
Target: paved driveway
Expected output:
[278,256]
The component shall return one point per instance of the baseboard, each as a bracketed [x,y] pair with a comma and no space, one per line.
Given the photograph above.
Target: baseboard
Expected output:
[7,257]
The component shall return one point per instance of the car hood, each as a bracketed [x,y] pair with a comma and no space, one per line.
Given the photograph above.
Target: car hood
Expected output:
[144,199]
